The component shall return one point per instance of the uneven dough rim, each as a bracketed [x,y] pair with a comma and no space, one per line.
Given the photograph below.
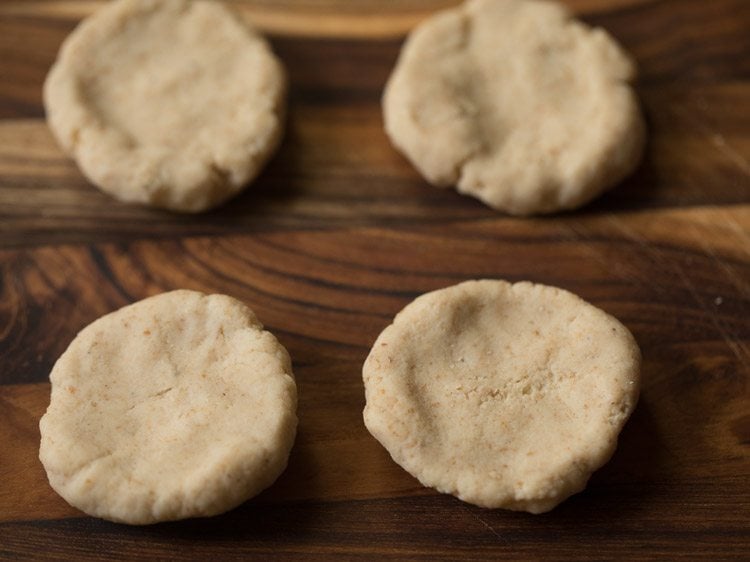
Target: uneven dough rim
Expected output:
[84,133]
[256,468]
[404,447]
[619,158]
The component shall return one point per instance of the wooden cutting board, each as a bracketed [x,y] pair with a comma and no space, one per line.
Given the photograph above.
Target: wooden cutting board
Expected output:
[340,232]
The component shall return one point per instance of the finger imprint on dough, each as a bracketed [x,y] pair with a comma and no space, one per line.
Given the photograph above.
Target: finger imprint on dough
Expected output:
[504,395]
[177,406]
[515,103]
[176,104]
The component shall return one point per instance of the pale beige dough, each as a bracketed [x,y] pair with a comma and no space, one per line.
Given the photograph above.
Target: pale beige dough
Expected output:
[507,396]
[515,103]
[177,406]
[169,103]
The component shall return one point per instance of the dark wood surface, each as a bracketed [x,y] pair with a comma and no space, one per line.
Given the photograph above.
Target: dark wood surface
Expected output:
[339,233]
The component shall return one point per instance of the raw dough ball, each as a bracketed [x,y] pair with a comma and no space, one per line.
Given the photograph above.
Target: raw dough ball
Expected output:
[169,103]
[177,406]
[517,104]
[503,395]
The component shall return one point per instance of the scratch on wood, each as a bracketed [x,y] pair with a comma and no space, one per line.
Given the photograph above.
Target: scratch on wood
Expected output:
[730,271]
[726,149]
[737,347]
[739,230]
[739,350]
[633,236]
[485,524]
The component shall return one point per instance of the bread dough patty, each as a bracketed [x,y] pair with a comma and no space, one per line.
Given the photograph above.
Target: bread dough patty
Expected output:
[503,395]
[515,103]
[177,406]
[169,103]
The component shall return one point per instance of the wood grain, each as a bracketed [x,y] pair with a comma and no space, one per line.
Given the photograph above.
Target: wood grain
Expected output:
[362,19]
[336,167]
[318,181]
[321,294]
[332,292]
[340,232]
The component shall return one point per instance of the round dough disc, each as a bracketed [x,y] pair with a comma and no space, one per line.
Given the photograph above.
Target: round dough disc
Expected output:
[503,395]
[517,104]
[177,406]
[169,103]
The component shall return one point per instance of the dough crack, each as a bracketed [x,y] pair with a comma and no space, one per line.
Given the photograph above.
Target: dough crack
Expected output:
[504,395]
[86,464]
[222,176]
[162,392]
[139,443]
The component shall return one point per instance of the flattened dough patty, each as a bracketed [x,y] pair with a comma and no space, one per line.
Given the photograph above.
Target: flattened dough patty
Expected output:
[177,406]
[503,395]
[170,103]
[517,104]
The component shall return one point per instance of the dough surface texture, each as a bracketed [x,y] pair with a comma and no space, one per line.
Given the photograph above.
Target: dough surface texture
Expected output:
[504,395]
[169,103]
[177,406]
[516,103]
